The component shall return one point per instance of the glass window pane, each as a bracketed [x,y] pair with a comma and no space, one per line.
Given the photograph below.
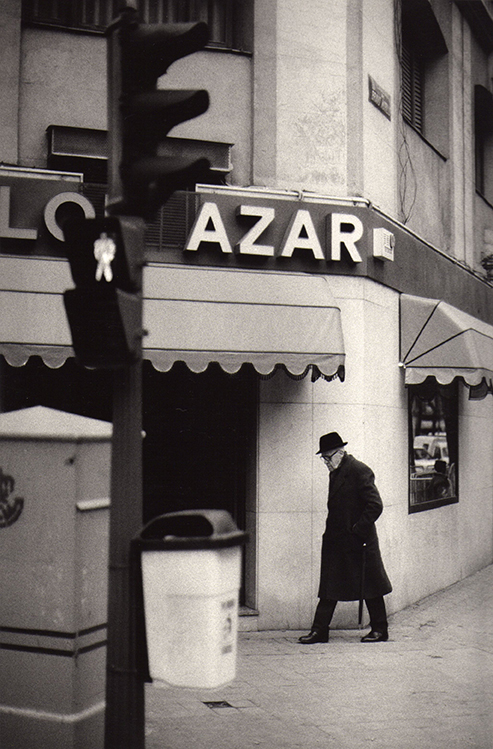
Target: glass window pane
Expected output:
[433,431]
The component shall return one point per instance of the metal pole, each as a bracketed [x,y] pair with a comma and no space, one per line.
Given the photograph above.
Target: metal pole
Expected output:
[125,704]
[362,585]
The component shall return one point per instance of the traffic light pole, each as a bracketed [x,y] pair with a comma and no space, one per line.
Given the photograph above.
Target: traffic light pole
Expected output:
[125,699]
[125,704]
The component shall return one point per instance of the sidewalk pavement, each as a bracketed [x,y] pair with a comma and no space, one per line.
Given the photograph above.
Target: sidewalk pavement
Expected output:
[429,687]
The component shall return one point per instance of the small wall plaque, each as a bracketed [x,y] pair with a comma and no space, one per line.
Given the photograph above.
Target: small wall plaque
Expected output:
[379,97]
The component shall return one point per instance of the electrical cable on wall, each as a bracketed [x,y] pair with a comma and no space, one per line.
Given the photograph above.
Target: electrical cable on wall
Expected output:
[407,182]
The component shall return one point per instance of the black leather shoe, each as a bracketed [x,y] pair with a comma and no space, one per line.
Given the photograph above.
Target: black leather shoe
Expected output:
[375,636]
[314,637]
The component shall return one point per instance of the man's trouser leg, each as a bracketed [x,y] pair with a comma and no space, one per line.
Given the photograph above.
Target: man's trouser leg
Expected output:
[378,614]
[323,615]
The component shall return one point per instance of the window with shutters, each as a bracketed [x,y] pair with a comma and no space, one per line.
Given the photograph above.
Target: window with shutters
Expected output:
[425,74]
[229,21]
[412,87]
[483,140]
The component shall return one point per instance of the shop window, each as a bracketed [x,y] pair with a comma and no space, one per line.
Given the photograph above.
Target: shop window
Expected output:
[229,21]
[433,445]
[424,80]
[483,132]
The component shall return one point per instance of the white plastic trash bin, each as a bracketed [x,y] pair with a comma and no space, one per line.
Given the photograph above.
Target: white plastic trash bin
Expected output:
[191,564]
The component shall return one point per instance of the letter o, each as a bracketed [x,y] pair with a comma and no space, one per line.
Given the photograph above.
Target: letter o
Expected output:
[53,205]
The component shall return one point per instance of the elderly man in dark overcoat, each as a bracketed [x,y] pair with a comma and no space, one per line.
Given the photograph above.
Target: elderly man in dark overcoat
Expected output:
[351,566]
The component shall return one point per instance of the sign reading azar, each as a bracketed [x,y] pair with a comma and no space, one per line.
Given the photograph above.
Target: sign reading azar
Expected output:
[271,228]
[342,230]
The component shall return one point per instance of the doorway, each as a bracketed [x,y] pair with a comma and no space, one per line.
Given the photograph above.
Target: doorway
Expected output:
[199,450]
[200,444]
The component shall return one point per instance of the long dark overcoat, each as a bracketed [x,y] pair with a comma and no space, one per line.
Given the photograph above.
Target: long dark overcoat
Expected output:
[354,505]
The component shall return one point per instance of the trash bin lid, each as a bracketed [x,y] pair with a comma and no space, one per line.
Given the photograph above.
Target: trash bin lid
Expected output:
[191,529]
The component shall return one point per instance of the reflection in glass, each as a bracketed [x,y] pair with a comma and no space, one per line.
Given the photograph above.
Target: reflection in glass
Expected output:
[433,445]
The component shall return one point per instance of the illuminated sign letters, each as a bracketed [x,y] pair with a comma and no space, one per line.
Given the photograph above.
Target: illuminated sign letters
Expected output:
[345,230]
[346,238]
[208,227]
[10,232]
[301,223]
[271,229]
[56,202]
[5,229]
[247,245]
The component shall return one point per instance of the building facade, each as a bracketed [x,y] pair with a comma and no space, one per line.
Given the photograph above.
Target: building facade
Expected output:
[338,279]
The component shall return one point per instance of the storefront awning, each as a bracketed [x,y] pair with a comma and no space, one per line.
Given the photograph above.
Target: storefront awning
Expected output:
[440,340]
[195,315]
[235,316]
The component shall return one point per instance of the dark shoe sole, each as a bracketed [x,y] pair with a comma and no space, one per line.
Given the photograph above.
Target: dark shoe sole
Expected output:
[312,640]
[380,638]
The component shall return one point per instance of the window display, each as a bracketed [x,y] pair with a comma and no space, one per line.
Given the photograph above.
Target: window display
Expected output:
[433,428]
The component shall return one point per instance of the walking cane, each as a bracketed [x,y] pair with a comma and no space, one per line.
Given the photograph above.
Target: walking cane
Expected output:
[361,595]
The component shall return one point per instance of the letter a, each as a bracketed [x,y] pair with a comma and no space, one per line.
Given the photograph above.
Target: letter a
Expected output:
[301,221]
[209,212]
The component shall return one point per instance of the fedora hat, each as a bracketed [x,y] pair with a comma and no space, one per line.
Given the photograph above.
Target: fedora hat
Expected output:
[330,441]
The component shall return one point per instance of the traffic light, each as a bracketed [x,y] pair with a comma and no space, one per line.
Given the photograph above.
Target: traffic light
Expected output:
[141,115]
[104,310]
